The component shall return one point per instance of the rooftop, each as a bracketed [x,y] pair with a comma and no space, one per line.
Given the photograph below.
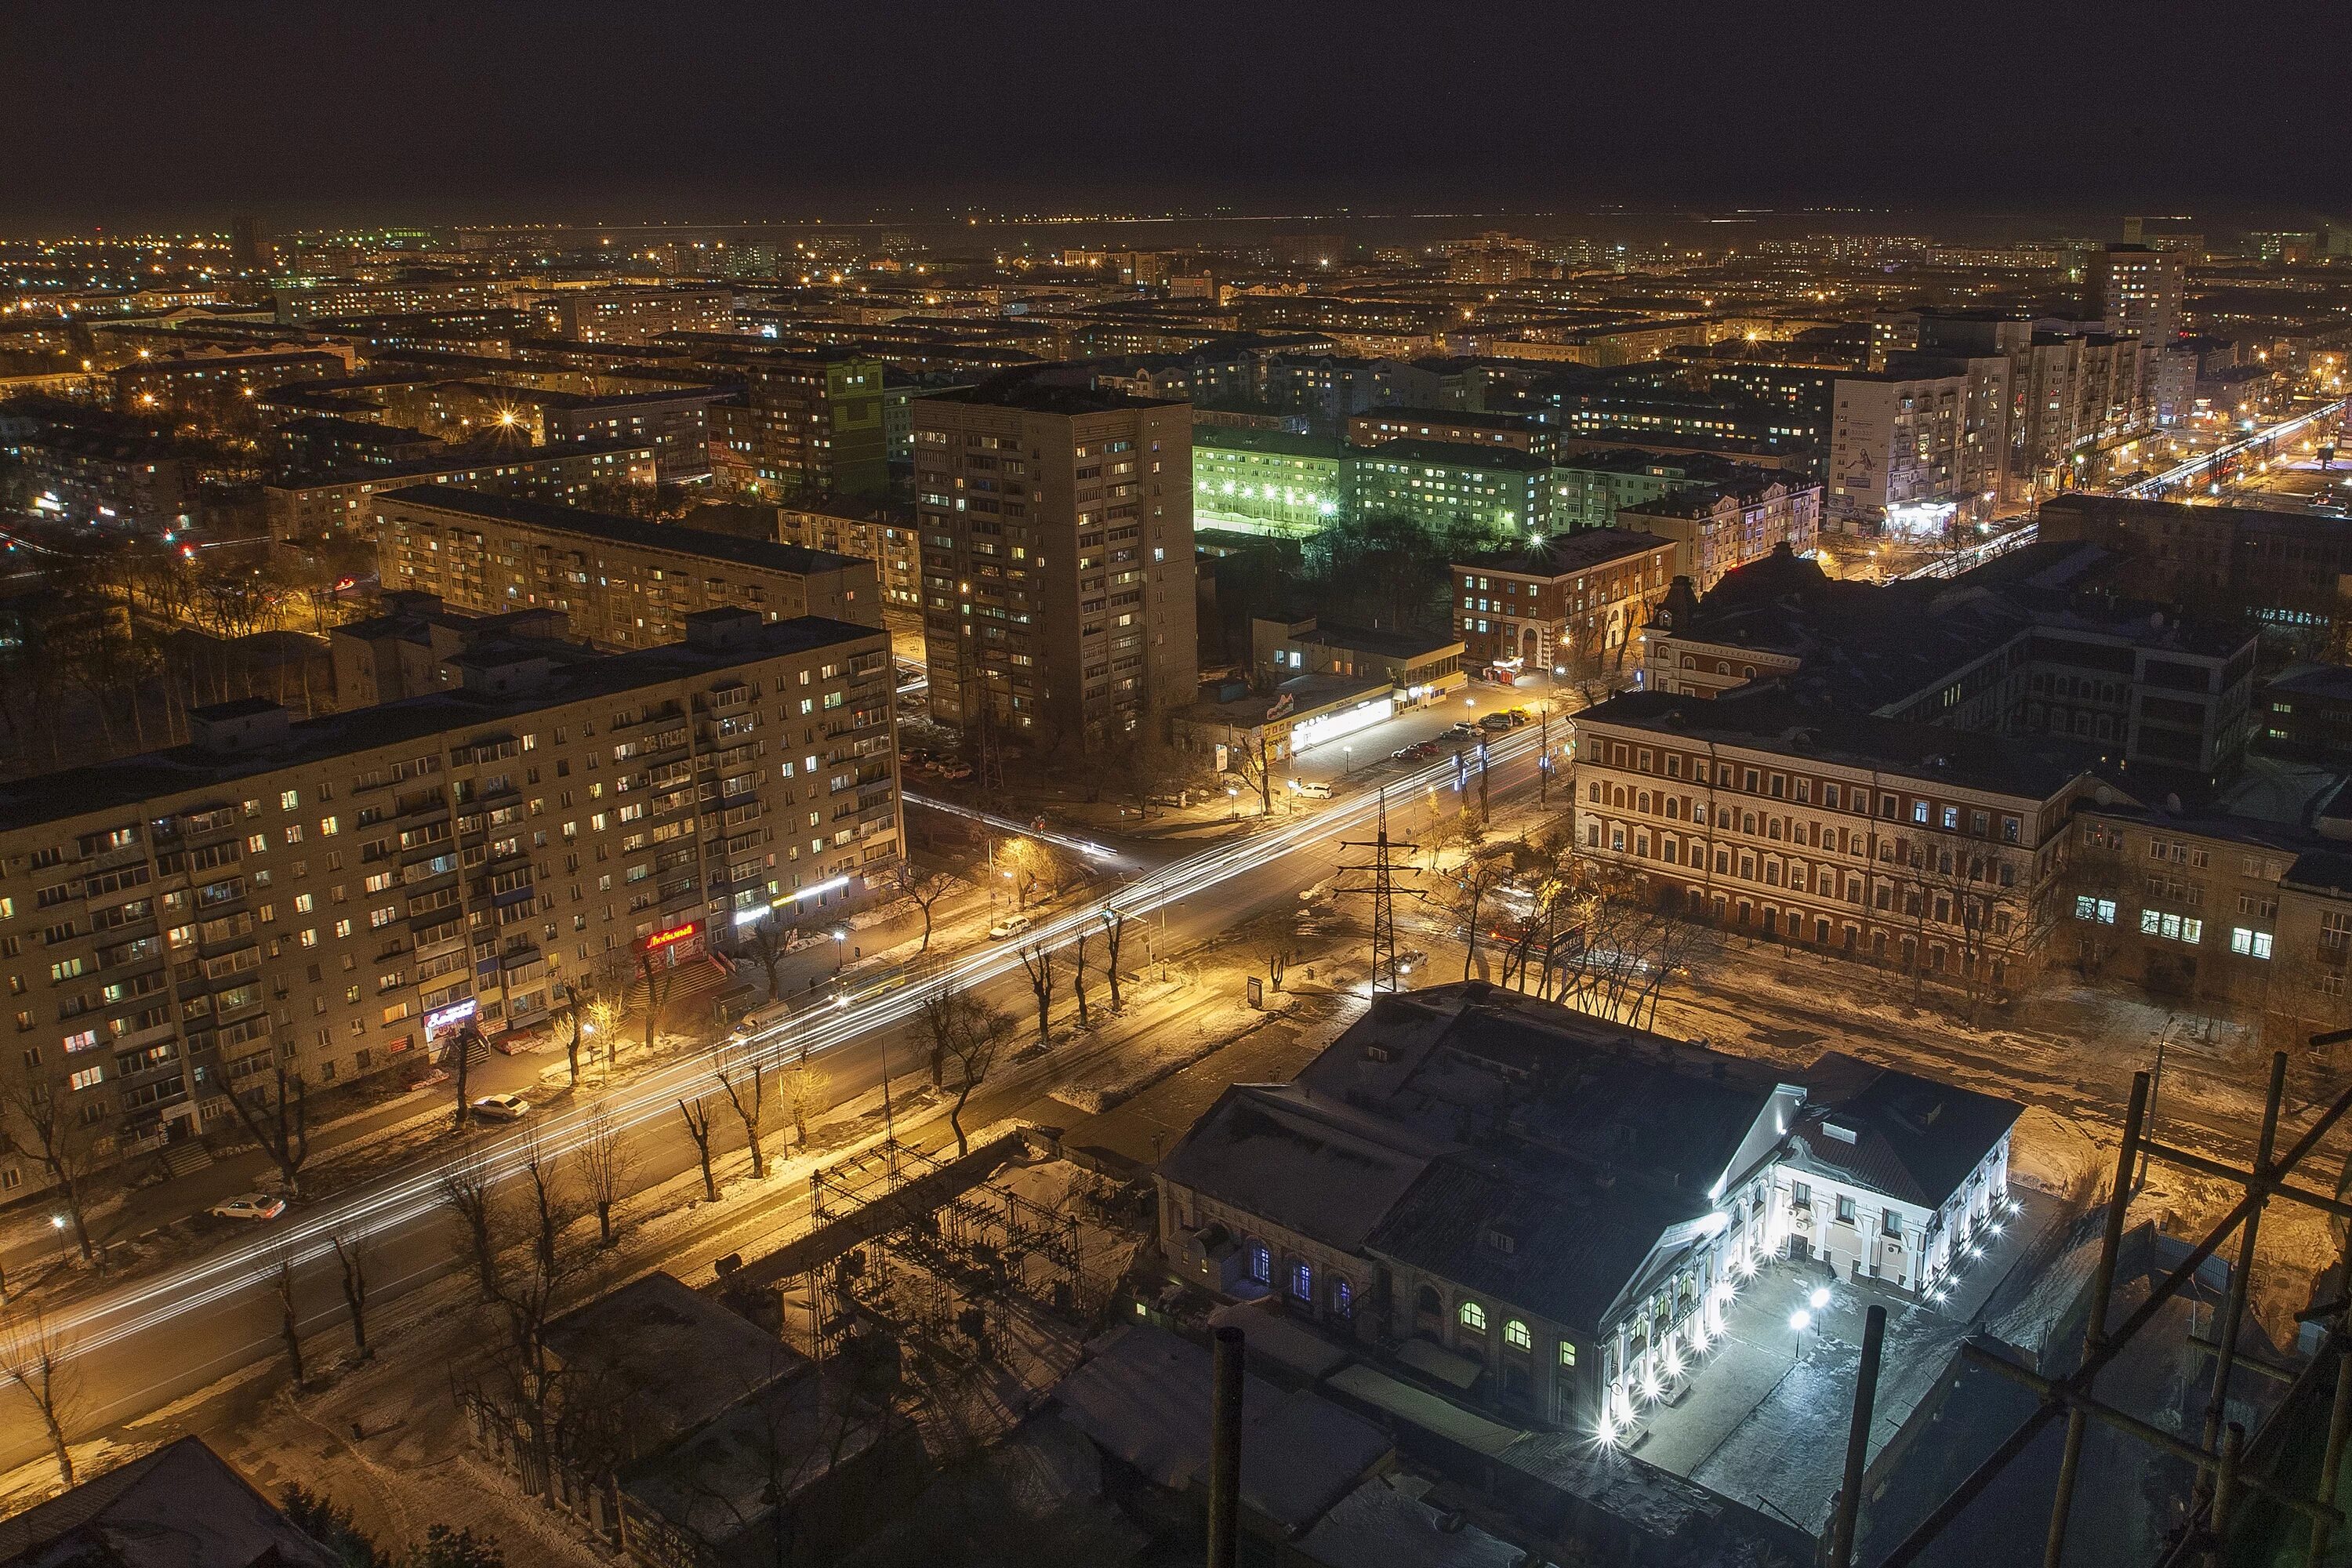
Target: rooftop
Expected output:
[1564,554]
[179,1507]
[1458,455]
[792,560]
[131,783]
[1798,718]
[1033,395]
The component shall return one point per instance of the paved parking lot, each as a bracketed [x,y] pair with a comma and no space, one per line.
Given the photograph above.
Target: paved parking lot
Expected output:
[1765,1416]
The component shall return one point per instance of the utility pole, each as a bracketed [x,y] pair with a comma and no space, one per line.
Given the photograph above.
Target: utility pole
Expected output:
[1383,868]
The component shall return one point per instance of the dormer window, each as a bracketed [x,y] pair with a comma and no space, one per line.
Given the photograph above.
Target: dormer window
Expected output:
[1843,1134]
[1500,1239]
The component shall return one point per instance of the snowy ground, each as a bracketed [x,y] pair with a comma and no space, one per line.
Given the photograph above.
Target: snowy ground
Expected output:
[1765,1416]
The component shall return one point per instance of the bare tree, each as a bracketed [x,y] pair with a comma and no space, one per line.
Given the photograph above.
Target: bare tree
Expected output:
[1038,961]
[466,1190]
[968,1030]
[603,1164]
[50,1131]
[280,1123]
[604,1024]
[1079,973]
[1272,941]
[36,1356]
[1114,933]
[750,1103]
[576,1020]
[290,1318]
[463,1045]
[354,1261]
[1464,894]
[925,886]
[536,1265]
[659,979]
[804,1090]
[770,946]
[697,1127]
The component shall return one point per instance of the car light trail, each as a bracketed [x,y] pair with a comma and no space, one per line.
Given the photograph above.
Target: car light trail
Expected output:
[415,1193]
[1091,850]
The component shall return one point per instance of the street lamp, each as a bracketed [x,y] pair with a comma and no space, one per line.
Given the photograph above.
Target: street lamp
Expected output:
[840,936]
[57,1224]
[1233,804]
[1349,752]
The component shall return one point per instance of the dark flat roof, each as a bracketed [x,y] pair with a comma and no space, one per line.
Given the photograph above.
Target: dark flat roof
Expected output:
[1563,553]
[1044,398]
[795,559]
[1459,454]
[127,782]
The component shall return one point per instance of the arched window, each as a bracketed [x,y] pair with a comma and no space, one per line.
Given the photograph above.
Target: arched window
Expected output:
[1516,1335]
[1473,1317]
[1261,1263]
[1425,1300]
[1641,802]
[1302,1282]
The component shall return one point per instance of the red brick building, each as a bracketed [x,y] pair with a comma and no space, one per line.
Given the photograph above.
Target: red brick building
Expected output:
[1580,596]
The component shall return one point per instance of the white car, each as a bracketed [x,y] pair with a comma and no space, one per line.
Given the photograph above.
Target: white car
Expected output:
[502,1108]
[252,1205]
[1312,789]
[1011,925]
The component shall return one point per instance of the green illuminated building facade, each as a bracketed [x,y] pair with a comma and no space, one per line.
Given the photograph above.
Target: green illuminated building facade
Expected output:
[1450,490]
[1270,481]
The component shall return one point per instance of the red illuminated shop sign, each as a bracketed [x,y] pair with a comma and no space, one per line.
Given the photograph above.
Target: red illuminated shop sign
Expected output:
[674,945]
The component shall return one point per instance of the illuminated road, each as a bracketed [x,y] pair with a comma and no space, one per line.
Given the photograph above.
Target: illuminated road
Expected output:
[2151,488]
[144,1344]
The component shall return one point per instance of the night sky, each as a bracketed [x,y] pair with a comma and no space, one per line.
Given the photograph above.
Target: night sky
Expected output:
[347,109]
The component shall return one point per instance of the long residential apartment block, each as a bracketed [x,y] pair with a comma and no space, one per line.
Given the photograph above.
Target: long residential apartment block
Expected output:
[624,583]
[336,893]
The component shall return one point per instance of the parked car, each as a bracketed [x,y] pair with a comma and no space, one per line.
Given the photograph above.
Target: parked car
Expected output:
[1495,723]
[251,1206]
[1518,716]
[1011,925]
[1311,789]
[1465,731]
[502,1108]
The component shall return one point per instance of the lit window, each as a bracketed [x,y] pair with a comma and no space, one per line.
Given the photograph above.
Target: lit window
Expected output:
[1473,1317]
[2249,943]
[1567,1353]
[1516,1335]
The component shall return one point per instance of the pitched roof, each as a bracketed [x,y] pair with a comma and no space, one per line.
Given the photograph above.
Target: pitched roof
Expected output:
[179,1507]
[1315,1167]
[1913,1138]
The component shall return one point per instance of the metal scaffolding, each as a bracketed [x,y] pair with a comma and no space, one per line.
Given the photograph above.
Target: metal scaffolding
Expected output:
[2219,1457]
[936,1261]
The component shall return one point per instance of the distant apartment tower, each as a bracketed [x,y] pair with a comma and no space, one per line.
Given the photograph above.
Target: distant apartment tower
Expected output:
[1910,452]
[807,424]
[2136,290]
[1057,560]
[250,245]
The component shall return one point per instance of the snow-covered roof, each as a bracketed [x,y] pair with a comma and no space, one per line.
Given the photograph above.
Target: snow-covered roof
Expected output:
[1315,1166]
[1910,1137]
[1142,1396]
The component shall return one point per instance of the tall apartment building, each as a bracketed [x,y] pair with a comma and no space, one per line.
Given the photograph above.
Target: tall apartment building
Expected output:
[1057,559]
[884,534]
[807,422]
[1915,452]
[338,893]
[623,583]
[2137,290]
